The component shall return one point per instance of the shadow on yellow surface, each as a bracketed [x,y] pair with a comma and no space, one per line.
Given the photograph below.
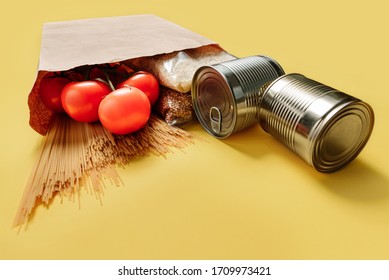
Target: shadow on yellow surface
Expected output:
[357,181]
[251,142]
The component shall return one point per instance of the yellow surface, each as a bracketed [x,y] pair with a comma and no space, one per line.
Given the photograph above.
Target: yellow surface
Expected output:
[247,197]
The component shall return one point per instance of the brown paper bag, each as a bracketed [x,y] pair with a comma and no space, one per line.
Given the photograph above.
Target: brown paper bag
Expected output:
[70,44]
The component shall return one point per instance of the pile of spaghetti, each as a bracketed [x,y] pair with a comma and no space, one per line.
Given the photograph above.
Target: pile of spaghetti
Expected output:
[78,155]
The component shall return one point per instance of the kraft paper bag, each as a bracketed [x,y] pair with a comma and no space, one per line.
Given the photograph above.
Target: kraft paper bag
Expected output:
[69,44]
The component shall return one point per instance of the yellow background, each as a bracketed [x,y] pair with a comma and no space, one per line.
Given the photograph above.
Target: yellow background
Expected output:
[247,197]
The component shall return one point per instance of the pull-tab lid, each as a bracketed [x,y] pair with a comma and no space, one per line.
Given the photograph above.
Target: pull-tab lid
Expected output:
[215,117]
[213,102]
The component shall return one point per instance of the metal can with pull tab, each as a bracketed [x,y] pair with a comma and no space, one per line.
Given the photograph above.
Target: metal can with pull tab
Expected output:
[226,95]
[324,126]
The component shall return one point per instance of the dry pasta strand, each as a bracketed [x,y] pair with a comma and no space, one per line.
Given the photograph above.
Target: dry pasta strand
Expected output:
[77,155]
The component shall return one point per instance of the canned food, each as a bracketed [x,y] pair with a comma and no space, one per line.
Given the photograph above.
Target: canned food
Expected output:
[325,127]
[226,95]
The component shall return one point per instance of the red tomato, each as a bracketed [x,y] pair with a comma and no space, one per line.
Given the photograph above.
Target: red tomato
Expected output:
[81,100]
[73,75]
[96,73]
[125,110]
[120,74]
[50,90]
[144,81]
[116,73]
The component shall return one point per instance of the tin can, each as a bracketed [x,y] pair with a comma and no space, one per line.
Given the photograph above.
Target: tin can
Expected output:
[226,95]
[325,127]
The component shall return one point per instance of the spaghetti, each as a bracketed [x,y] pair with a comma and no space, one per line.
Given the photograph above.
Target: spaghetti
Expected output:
[77,155]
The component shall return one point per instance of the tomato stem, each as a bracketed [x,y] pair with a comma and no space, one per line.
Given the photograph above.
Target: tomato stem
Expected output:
[108,80]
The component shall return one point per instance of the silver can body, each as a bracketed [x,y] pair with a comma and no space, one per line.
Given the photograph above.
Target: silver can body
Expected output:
[226,95]
[325,127]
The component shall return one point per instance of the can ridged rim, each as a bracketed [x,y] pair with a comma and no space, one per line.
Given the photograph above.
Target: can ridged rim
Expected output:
[329,155]
[275,81]
[276,66]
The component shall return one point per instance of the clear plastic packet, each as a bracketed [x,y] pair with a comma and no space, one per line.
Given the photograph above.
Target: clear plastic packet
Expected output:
[175,70]
[174,107]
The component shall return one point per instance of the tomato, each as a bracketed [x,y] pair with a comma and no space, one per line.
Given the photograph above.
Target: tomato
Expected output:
[96,73]
[144,81]
[120,74]
[116,73]
[125,110]
[81,100]
[50,90]
[73,75]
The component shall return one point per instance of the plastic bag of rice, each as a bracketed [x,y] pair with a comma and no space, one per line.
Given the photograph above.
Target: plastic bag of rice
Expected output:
[175,71]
